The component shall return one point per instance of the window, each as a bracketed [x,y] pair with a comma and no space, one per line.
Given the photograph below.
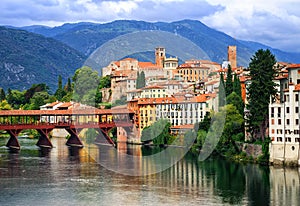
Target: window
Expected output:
[297,139]
[279,121]
[273,131]
[296,131]
[272,122]
[288,121]
[296,109]
[272,111]
[287,110]
[288,139]
[297,121]
[279,139]
[296,97]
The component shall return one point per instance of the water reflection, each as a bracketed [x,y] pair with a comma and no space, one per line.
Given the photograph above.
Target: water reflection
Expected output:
[72,176]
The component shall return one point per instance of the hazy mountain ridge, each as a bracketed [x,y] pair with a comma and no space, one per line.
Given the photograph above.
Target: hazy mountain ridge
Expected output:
[27,58]
[86,37]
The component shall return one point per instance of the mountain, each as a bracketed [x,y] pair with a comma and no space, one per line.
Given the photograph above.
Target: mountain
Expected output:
[87,37]
[27,58]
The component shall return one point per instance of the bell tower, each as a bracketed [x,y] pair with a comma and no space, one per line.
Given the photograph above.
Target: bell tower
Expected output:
[232,56]
[160,54]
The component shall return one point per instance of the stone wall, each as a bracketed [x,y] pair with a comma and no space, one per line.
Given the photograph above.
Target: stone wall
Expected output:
[254,150]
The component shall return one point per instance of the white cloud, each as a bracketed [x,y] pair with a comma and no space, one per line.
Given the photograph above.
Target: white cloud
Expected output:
[274,23]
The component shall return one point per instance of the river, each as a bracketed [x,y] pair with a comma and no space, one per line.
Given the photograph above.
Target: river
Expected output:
[64,176]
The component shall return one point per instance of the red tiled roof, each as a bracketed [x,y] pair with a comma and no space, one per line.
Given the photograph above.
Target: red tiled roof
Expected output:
[63,112]
[181,99]
[185,126]
[293,66]
[146,65]
[65,105]
[53,104]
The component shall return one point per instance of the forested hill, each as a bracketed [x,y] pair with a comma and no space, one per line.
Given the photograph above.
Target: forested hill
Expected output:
[27,58]
[86,37]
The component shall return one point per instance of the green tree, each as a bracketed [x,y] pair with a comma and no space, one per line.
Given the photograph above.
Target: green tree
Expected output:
[234,126]
[4,105]
[229,83]
[105,82]
[68,87]
[38,99]
[140,81]
[2,95]
[261,89]
[60,92]
[33,89]
[16,98]
[86,82]
[222,93]
[158,133]
[237,101]
[237,85]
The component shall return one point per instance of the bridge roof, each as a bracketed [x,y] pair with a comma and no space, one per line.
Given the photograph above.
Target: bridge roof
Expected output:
[64,112]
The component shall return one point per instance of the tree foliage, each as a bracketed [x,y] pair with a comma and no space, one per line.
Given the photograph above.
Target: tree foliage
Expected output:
[2,95]
[222,93]
[229,83]
[4,105]
[86,82]
[60,92]
[140,81]
[158,133]
[237,101]
[261,89]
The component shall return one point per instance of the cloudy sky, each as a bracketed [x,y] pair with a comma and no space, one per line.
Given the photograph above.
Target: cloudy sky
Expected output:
[272,22]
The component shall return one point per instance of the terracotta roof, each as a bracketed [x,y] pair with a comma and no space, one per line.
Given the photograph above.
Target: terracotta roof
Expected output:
[53,104]
[63,112]
[293,66]
[172,100]
[146,65]
[128,59]
[185,126]
[65,105]
[153,87]
[122,73]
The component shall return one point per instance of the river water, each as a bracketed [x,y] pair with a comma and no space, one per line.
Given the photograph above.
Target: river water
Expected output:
[64,176]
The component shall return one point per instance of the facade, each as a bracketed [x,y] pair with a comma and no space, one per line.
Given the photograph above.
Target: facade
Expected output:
[153,92]
[284,118]
[193,71]
[232,56]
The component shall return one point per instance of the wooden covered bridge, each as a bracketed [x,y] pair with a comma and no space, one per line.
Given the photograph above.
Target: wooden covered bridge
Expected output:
[72,120]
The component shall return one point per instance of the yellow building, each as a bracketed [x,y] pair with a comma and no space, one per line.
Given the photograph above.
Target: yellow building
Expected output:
[147,111]
[153,92]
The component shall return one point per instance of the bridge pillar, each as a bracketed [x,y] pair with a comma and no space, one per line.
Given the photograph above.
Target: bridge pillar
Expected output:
[74,140]
[13,142]
[104,133]
[44,140]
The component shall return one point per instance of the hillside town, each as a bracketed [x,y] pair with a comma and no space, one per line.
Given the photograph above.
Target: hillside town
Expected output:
[184,93]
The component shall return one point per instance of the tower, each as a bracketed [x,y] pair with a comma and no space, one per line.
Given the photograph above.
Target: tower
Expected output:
[232,56]
[160,54]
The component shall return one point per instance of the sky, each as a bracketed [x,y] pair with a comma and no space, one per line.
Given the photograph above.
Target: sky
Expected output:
[272,22]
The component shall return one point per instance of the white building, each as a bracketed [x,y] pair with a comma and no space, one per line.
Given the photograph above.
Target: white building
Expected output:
[284,118]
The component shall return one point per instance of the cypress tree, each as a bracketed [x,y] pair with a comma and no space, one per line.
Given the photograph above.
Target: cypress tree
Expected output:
[229,83]
[222,95]
[2,95]
[261,89]
[237,85]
